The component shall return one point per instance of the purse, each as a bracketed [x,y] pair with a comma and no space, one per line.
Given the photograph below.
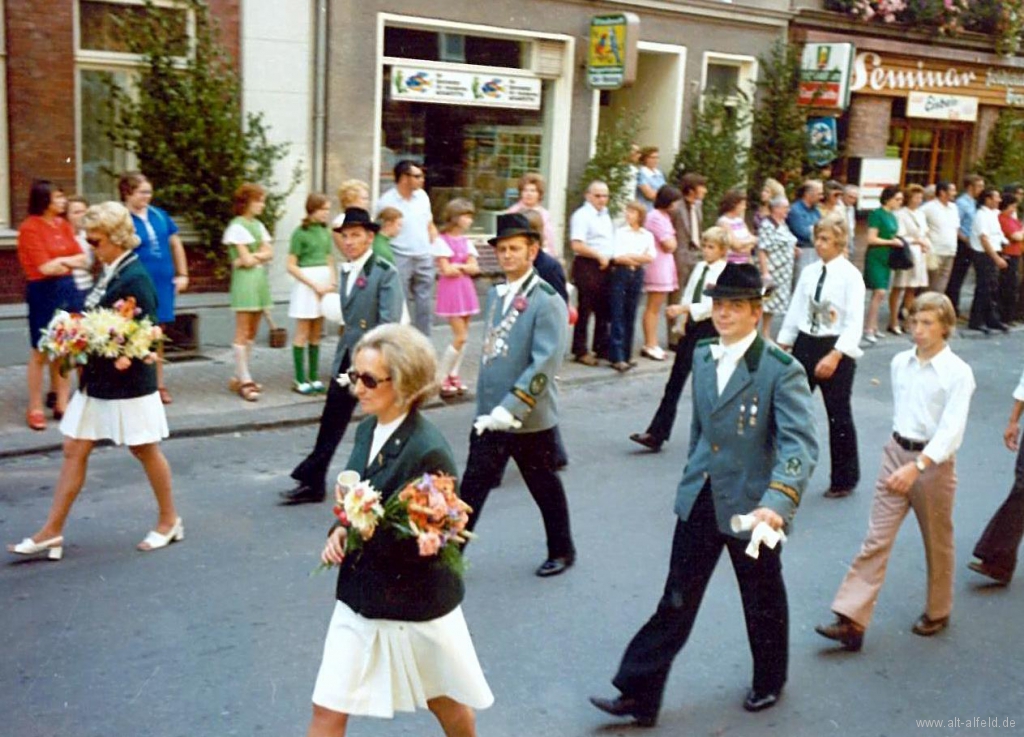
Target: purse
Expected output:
[900,257]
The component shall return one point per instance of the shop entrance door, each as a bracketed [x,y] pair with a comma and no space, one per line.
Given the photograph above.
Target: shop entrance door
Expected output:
[657,95]
[930,153]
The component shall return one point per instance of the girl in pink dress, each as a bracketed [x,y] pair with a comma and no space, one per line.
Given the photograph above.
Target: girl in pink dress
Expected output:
[661,277]
[456,294]
[732,212]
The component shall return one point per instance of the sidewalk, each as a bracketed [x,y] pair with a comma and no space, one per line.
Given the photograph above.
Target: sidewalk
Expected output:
[204,406]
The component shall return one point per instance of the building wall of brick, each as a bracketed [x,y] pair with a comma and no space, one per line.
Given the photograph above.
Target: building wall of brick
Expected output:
[869,125]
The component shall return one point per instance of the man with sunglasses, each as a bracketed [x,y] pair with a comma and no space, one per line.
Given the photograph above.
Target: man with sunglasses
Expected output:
[371,295]
[527,331]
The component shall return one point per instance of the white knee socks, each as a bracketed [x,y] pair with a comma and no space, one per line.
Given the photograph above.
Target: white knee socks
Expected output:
[448,361]
[241,362]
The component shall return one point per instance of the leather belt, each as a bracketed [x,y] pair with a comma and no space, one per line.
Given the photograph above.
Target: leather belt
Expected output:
[912,445]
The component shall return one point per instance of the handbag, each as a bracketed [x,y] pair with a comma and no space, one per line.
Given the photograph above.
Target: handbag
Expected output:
[900,257]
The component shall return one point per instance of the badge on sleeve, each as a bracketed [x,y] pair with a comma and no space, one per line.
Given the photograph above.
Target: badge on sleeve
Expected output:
[538,384]
[793,467]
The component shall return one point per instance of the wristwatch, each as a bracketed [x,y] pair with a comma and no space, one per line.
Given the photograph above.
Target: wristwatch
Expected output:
[919,465]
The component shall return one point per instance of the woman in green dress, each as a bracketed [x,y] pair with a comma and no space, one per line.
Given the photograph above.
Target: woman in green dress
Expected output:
[249,246]
[882,229]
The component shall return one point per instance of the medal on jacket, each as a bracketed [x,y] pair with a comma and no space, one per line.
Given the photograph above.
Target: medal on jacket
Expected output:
[742,418]
[496,342]
[753,412]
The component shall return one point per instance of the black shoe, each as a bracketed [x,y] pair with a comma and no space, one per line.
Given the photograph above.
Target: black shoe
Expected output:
[302,494]
[554,566]
[760,701]
[647,440]
[1000,577]
[926,626]
[834,493]
[984,329]
[844,631]
[51,400]
[1000,326]
[624,706]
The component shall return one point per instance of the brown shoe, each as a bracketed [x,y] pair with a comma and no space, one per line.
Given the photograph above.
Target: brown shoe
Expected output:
[926,626]
[845,631]
[587,359]
[1000,577]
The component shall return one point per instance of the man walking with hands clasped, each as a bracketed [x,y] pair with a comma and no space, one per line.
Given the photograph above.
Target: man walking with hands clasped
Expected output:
[752,450]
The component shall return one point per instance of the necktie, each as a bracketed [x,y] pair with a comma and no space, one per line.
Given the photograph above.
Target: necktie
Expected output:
[698,291]
[817,301]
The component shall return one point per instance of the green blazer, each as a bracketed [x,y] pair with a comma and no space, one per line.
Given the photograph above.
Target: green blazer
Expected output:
[375,298]
[388,578]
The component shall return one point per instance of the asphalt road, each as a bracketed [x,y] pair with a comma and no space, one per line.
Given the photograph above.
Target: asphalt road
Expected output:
[222,634]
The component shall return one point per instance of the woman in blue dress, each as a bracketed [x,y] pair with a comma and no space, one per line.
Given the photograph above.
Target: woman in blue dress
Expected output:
[160,250]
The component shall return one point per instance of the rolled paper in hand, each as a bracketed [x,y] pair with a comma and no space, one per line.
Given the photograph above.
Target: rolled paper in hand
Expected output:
[347,480]
[760,532]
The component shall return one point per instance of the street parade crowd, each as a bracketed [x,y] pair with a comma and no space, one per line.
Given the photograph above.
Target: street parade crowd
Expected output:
[761,308]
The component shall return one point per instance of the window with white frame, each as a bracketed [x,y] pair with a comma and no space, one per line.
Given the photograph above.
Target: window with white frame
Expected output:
[103,58]
[5,172]
[731,77]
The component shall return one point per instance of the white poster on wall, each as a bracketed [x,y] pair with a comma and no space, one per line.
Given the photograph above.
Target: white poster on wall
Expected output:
[876,175]
[439,86]
[942,107]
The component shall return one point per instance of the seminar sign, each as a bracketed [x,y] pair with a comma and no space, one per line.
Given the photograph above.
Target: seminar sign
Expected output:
[444,87]
[612,51]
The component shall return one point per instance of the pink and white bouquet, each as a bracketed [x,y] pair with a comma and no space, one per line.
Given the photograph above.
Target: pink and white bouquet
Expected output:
[116,333]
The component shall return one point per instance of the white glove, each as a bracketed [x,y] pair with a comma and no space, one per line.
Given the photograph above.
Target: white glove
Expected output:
[342,380]
[762,533]
[500,419]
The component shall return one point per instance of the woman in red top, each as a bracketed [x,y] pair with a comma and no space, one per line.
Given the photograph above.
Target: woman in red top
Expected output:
[1009,278]
[48,251]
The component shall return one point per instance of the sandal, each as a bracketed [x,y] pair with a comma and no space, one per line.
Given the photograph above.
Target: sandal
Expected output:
[165,396]
[234,384]
[248,391]
[154,540]
[36,419]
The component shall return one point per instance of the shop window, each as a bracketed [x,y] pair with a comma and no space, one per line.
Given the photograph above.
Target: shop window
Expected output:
[102,58]
[930,152]
[411,43]
[730,76]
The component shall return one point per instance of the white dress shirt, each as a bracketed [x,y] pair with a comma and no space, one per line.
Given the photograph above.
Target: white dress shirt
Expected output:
[986,223]
[1018,393]
[382,433]
[509,290]
[629,242]
[839,312]
[701,310]
[931,400]
[728,358]
[414,237]
[594,228]
[943,225]
[353,269]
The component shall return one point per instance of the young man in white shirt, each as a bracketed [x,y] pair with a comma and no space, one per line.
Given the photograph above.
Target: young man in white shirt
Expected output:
[986,256]
[932,390]
[822,327]
[943,220]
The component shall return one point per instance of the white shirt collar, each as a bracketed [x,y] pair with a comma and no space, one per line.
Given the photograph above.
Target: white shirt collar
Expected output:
[112,266]
[941,360]
[359,263]
[734,352]
[513,287]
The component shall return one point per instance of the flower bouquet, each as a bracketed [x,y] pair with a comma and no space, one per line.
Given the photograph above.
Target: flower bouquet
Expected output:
[116,333]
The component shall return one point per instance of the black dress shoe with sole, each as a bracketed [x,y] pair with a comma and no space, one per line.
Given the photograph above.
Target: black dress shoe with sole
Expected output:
[1000,577]
[760,701]
[926,626]
[302,494]
[624,706]
[843,631]
[555,566]
[647,440]
[834,493]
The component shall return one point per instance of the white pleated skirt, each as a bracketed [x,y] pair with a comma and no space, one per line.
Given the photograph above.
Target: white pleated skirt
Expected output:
[375,667]
[304,303]
[136,421]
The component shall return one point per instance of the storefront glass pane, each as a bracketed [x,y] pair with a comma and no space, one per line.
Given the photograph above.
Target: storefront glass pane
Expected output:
[99,31]
[100,160]
[411,43]
[917,167]
[467,151]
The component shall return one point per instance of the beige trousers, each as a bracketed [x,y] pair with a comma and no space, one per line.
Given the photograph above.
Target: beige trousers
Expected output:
[931,498]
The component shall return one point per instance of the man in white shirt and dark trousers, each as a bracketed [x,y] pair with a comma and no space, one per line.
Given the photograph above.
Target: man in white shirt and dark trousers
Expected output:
[943,218]
[823,326]
[592,237]
[932,390]
[996,551]
[986,247]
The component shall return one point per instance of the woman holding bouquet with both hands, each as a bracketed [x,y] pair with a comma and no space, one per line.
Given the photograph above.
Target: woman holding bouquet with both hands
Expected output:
[397,639]
[117,399]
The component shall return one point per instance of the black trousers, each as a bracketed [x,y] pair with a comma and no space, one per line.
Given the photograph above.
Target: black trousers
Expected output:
[535,454]
[665,417]
[696,547]
[1009,285]
[984,308]
[842,434]
[998,544]
[961,265]
[333,422]
[593,299]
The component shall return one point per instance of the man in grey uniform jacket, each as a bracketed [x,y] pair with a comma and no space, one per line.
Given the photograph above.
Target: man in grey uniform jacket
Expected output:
[371,295]
[752,450]
[527,328]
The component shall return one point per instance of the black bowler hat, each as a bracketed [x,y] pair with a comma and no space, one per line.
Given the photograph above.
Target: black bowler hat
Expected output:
[739,281]
[513,224]
[358,216]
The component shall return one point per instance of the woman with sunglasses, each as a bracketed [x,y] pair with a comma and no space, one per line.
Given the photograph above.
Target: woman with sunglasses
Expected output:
[116,400]
[397,640]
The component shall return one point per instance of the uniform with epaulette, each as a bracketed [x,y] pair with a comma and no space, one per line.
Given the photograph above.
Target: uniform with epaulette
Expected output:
[517,412]
[371,295]
[752,447]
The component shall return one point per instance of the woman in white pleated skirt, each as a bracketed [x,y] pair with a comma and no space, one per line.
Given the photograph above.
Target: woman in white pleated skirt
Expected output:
[116,400]
[397,640]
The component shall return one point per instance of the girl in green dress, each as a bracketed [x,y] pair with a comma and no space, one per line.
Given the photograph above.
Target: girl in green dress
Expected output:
[249,246]
[882,229]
